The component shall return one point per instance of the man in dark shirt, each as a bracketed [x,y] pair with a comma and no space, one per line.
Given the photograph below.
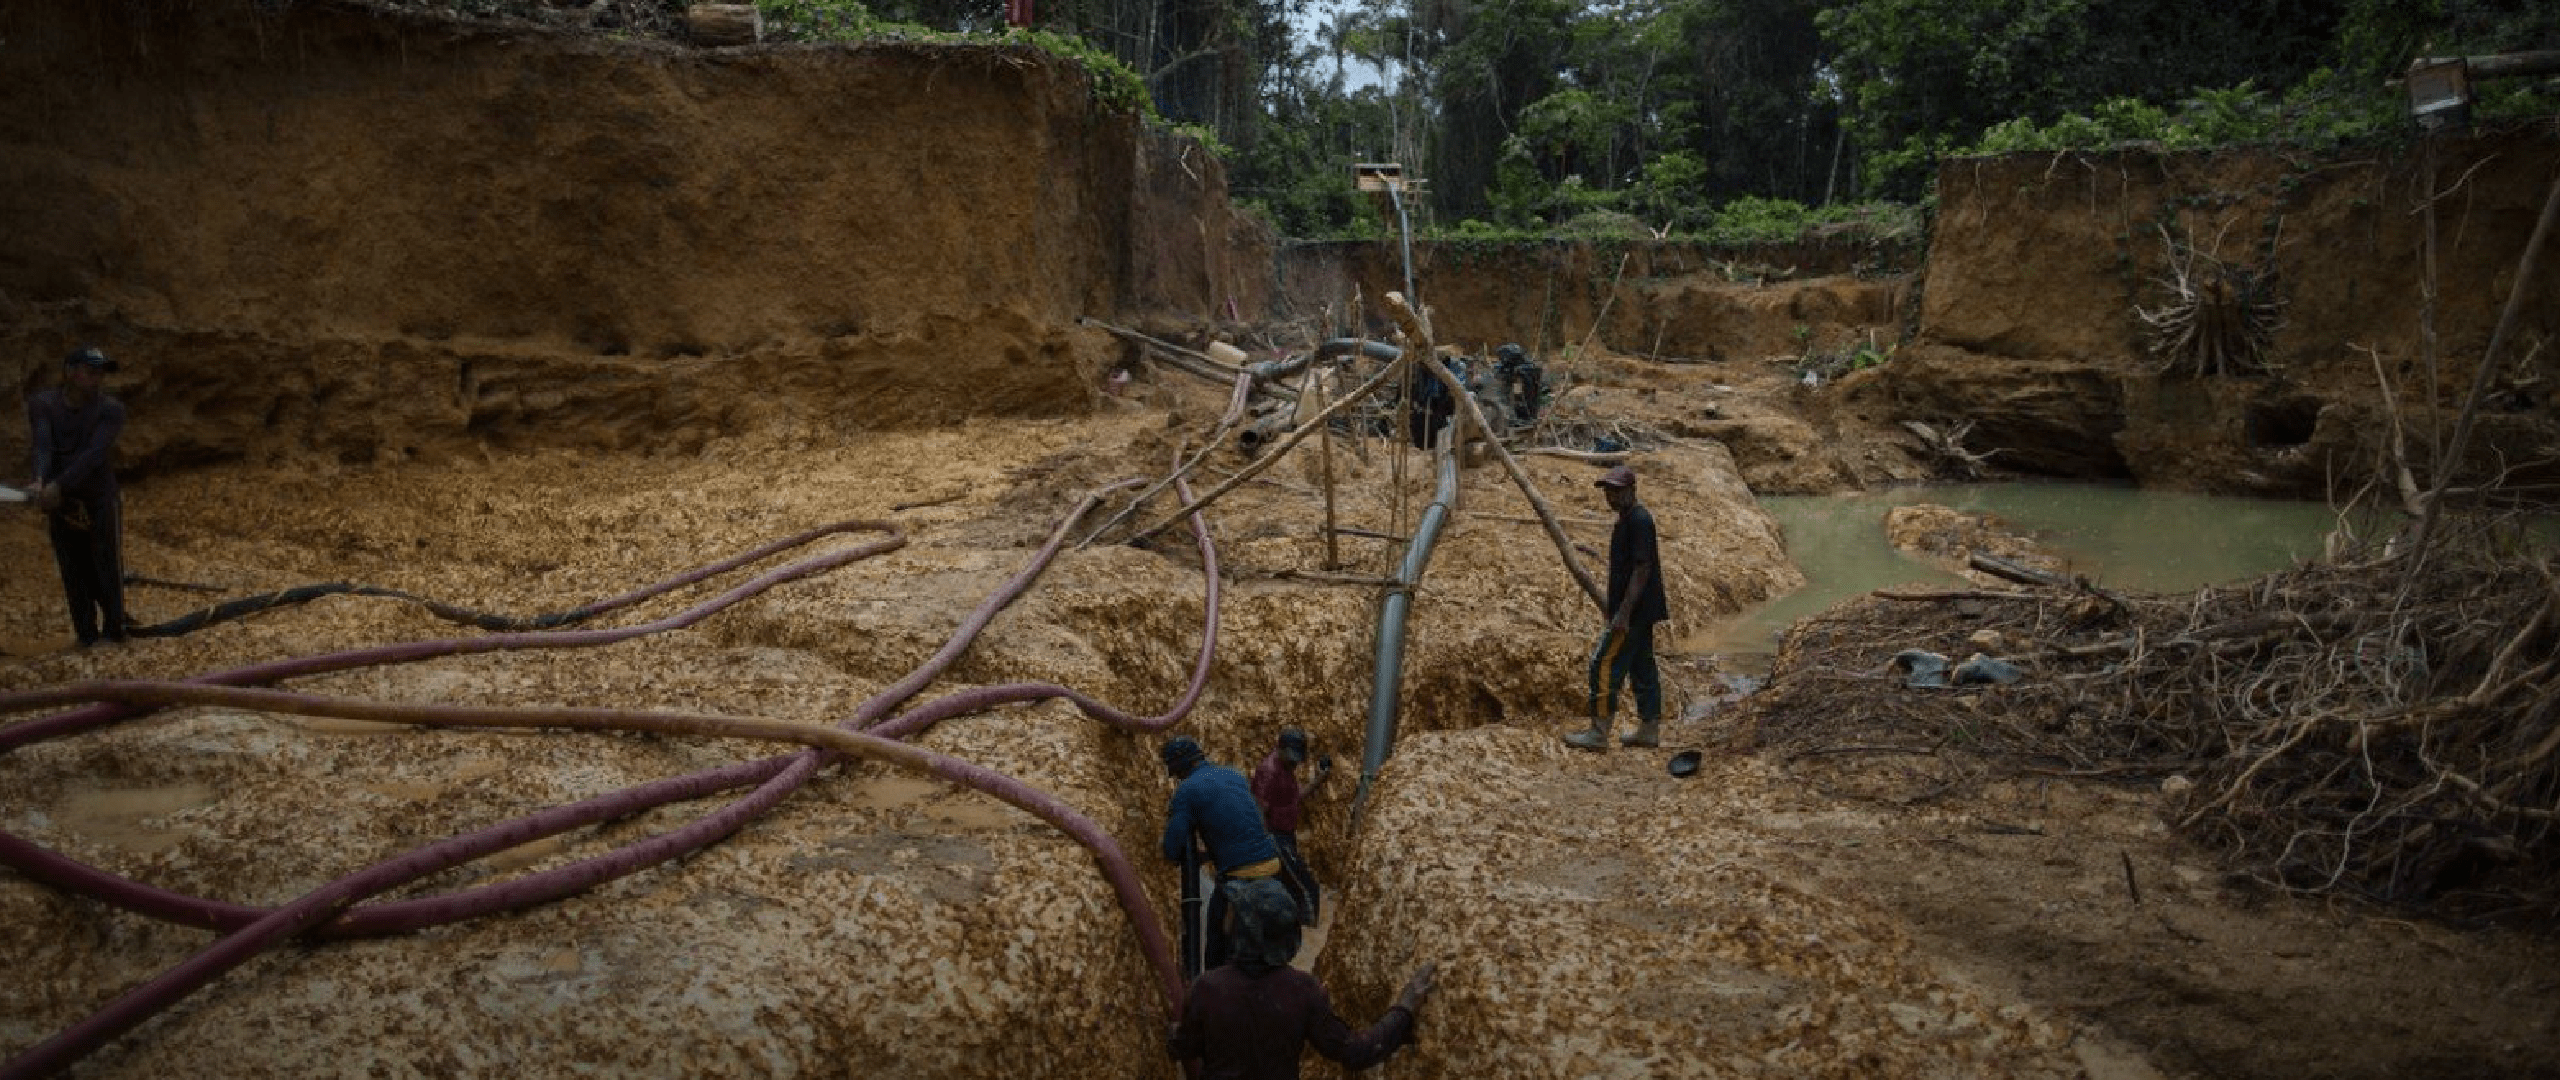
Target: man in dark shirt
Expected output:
[1212,807]
[1249,1019]
[75,430]
[1275,786]
[1636,602]
[1522,381]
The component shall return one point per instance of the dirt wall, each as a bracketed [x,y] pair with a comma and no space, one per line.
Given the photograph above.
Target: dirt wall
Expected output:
[1650,298]
[2040,263]
[338,228]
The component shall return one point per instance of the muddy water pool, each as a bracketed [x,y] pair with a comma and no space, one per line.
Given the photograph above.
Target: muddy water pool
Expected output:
[2121,537]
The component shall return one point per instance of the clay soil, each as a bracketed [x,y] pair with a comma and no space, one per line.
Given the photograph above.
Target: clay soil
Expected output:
[693,335]
[1772,916]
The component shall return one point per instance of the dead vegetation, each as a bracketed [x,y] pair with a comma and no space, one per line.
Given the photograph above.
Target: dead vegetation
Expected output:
[2348,728]
[2219,316]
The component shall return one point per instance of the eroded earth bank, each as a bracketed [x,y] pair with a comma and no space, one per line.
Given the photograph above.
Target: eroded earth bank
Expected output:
[518,322]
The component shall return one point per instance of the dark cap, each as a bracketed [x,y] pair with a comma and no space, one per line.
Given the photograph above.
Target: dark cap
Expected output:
[1181,755]
[88,356]
[1293,745]
[1620,477]
[1510,350]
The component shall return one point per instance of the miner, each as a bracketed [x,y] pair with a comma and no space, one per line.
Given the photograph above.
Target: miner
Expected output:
[74,430]
[1212,807]
[1636,601]
[1249,1019]
[1275,786]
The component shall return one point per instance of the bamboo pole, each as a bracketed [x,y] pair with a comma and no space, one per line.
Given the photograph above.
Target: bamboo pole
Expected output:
[2518,295]
[1277,451]
[1467,402]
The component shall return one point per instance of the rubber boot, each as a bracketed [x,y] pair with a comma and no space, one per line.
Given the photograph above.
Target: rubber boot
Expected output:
[1595,738]
[1647,734]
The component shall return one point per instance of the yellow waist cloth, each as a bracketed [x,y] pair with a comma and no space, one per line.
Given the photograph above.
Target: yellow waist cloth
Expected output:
[1263,869]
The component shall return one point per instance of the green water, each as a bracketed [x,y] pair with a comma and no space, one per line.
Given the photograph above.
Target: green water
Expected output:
[2121,537]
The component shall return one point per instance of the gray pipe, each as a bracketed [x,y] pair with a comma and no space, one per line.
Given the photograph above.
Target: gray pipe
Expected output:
[1388,676]
[1343,346]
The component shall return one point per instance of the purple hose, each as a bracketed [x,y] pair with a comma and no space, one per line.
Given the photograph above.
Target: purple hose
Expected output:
[80,720]
[142,1002]
[778,777]
[256,929]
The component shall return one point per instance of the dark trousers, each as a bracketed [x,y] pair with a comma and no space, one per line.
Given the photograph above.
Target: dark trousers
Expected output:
[86,538]
[1626,656]
[1300,881]
[1204,919]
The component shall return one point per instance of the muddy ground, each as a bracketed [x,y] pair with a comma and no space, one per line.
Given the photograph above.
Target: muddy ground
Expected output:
[645,307]
[1595,917]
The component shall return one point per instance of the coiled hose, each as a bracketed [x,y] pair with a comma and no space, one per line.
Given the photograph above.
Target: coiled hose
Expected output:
[327,910]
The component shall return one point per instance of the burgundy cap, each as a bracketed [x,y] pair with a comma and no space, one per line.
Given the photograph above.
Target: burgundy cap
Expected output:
[1620,477]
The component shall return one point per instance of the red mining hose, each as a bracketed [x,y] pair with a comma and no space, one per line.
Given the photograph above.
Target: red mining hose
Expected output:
[79,720]
[987,697]
[142,1002]
[259,929]
[778,777]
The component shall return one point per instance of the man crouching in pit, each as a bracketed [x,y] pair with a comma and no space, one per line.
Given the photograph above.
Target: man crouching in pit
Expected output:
[1249,1019]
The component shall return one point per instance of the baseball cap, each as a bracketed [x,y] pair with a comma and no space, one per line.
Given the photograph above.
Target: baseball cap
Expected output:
[1620,477]
[89,356]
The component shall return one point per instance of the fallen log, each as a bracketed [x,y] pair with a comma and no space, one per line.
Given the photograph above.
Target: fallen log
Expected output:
[717,25]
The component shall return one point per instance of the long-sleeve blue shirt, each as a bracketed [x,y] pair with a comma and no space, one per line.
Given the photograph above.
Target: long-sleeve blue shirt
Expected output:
[1217,803]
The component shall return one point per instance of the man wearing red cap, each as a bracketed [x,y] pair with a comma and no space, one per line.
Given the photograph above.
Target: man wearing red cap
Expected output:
[1636,602]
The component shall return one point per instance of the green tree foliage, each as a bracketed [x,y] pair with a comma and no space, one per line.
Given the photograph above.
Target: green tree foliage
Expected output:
[1692,116]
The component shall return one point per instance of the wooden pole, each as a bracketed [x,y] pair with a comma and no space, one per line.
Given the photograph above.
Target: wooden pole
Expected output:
[1277,451]
[2519,295]
[1546,515]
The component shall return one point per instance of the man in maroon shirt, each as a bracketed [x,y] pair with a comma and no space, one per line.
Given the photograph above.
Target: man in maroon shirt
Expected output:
[1275,786]
[1249,1019]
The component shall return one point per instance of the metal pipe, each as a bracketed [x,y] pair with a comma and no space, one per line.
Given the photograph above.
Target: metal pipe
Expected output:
[1387,680]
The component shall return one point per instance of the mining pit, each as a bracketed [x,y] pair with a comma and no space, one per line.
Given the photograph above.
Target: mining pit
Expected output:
[518,321]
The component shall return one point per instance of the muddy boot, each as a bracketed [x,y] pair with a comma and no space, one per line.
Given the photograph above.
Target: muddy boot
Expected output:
[1594,738]
[1647,734]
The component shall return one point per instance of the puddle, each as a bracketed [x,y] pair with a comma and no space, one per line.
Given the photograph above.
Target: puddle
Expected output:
[123,816]
[37,645]
[2127,538]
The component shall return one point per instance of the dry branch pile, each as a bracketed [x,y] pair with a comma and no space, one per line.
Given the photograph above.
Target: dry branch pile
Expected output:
[2218,317]
[2348,727]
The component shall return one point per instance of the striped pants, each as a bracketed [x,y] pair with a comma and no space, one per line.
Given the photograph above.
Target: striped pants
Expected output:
[1626,656]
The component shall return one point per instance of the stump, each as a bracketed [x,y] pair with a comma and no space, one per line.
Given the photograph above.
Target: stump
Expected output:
[724,24]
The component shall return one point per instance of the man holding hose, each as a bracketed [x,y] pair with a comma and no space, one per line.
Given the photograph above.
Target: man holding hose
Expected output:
[1212,807]
[1636,602]
[75,430]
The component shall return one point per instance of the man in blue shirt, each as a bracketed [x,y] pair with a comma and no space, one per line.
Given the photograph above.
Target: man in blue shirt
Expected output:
[1636,602]
[1212,807]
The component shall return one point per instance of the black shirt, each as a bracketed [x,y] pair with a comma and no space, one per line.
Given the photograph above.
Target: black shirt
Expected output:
[75,446]
[1632,544]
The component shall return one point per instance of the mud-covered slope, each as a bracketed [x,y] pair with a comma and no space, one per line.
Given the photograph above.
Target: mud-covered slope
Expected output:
[2039,263]
[332,227]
